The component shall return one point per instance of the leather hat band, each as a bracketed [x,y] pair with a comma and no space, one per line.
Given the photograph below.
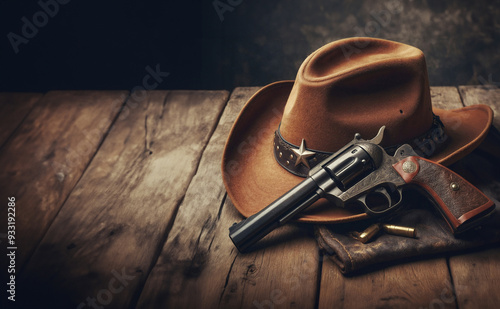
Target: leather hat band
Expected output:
[298,160]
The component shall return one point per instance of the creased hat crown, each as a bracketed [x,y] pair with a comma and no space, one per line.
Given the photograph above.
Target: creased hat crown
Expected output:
[337,94]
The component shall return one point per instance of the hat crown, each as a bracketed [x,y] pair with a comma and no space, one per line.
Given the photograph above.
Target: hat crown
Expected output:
[343,89]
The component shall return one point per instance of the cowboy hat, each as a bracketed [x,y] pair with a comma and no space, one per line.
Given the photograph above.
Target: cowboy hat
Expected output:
[349,86]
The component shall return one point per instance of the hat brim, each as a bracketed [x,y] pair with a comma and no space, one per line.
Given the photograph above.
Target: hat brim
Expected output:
[254,179]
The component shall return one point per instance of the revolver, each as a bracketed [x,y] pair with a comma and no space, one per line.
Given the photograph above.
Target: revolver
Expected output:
[364,173]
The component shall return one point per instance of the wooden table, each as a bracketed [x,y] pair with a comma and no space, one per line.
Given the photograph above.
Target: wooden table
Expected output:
[120,204]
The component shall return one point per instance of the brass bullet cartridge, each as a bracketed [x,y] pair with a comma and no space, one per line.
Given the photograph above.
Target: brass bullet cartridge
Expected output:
[400,230]
[367,234]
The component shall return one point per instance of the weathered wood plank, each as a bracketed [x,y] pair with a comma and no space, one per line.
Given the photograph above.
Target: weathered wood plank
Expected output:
[483,95]
[284,273]
[13,108]
[199,267]
[419,284]
[184,256]
[475,274]
[104,241]
[46,156]
[445,97]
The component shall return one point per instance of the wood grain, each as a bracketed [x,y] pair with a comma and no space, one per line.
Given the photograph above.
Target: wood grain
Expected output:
[282,272]
[481,167]
[475,277]
[418,284]
[475,274]
[483,95]
[47,155]
[414,285]
[14,107]
[445,98]
[107,236]
[188,250]
[146,225]
[199,267]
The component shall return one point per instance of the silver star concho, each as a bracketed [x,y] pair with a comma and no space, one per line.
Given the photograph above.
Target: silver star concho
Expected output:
[302,154]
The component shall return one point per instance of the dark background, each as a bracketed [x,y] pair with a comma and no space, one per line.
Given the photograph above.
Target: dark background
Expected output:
[109,44]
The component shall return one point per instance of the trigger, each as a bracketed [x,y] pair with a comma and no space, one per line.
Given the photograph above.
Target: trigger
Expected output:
[383,191]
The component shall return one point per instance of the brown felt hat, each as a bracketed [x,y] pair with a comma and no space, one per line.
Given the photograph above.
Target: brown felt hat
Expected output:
[349,86]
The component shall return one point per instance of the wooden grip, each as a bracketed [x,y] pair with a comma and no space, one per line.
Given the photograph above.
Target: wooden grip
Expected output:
[460,203]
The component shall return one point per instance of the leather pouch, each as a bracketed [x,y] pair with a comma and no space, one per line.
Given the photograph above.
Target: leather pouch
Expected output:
[433,237]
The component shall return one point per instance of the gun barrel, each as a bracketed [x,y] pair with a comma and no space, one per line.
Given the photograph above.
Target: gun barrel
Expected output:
[255,227]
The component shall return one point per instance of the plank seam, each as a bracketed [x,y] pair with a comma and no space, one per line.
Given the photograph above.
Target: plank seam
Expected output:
[211,133]
[104,136]
[161,244]
[462,99]
[218,218]
[156,256]
[447,258]
[221,206]
[170,224]
[452,283]
[227,278]
[320,275]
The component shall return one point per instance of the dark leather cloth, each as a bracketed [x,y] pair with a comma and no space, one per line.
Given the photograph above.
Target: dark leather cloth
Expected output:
[433,237]
[480,167]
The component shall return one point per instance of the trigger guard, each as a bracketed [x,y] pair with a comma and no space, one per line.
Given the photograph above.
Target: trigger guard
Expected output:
[383,191]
